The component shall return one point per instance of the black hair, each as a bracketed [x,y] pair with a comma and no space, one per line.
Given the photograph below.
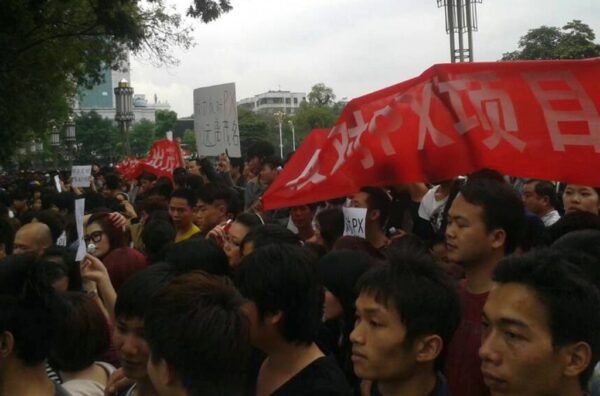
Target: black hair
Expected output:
[250,220]
[533,233]
[273,162]
[260,149]
[237,163]
[378,199]
[195,324]
[269,234]
[573,222]
[163,186]
[27,308]
[282,278]
[194,182]
[331,225]
[7,235]
[53,220]
[502,207]
[148,176]
[572,303]
[583,249]
[157,235]
[207,168]
[187,194]
[544,188]
[113,181]
[59,261]
[198,254]
[136,292]
[216,192]
[423,295]
[82,335]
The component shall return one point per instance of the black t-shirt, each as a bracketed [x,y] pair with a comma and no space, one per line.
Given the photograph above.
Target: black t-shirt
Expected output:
[322,377]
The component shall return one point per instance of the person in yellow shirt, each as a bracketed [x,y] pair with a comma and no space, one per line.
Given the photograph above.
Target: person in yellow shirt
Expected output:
[181,209]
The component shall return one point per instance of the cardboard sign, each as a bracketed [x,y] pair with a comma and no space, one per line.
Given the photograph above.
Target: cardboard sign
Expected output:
[81,175]
[355,222]
[79,212]
[216,121]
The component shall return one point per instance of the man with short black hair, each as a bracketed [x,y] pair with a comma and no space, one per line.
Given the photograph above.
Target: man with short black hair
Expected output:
[539,197]
[256,154]
[27,306]
[484,223]
[198,338]
[284,310]
[540,327]
[214,206]
[407,312]
[181,206]
[378,204]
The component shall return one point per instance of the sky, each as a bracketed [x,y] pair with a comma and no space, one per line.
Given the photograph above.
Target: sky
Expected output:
[353,46]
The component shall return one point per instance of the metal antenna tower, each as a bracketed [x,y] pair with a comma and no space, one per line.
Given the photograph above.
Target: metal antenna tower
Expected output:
[461,18]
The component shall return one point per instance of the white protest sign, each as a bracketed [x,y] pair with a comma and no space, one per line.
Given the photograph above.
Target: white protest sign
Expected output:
[57,183]
[81,175]
[79,211]
[355,221]
[216,121]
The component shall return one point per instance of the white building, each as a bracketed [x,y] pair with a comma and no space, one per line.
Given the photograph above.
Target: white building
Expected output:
[274,101]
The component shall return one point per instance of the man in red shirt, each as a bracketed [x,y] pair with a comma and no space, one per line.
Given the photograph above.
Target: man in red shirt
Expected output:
[483,225]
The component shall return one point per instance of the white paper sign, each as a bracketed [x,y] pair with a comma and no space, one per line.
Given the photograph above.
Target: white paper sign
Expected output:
[216,121]
[81,175]
[57,183]
[79,211]
[355,221]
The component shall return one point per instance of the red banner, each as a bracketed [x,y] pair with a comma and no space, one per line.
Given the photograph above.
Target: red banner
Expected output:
[528,119]
[163,157]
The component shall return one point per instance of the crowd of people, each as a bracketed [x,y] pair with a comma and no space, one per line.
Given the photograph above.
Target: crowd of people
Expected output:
[480,285]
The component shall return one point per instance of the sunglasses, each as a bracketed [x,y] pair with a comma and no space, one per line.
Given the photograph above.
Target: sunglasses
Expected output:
[95,237]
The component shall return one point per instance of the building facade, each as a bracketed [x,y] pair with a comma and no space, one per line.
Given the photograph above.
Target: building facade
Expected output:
[273,101]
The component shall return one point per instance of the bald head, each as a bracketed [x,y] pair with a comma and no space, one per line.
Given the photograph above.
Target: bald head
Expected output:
[33,237]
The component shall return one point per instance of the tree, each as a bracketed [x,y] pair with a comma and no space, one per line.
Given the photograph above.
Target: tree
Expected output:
[51,47]
[321,95]
[142,136]
[575,40]
[189,140]
[165,121]
[253,127]
[98,139]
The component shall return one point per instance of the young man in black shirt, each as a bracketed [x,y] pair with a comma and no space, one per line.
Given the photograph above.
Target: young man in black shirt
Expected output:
[283,306]
[407,311]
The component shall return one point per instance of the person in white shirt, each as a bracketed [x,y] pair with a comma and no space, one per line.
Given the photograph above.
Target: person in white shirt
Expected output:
[539,197]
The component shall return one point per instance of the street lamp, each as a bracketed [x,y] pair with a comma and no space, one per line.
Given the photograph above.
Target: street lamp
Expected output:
[293,135]
[124,110]
[279,117]
[70,138]
[55,142]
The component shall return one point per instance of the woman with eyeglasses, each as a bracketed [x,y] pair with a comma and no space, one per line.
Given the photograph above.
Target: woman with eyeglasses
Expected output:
[108,243]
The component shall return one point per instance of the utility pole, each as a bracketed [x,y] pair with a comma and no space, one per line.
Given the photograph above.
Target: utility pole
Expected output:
[461,19]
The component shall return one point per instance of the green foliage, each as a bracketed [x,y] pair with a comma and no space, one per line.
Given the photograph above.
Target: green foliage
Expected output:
[189,140]
[321,95]
[575,40]
[142,135]
[98,139]
[321,111]
[254,127]
[51,47]
[165,121]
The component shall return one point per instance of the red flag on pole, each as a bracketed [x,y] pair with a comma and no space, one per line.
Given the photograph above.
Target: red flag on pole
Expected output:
[532,119]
